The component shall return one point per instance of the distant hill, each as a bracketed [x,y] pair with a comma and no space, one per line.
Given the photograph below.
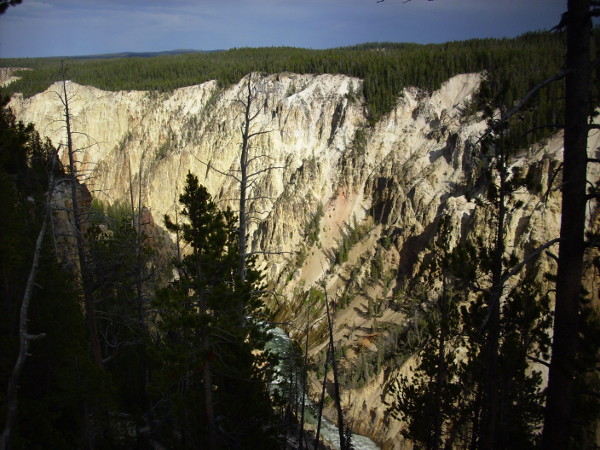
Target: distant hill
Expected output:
[142,54]
[386,68]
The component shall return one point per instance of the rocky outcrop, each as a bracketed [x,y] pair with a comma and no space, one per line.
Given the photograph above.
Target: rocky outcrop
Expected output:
[327,176]
[6,75]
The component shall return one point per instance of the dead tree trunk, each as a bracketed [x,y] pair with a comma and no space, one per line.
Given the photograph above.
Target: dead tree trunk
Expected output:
[247,174]
[336,385]
[322,399]
[558,412]
[243,228]
[25,338]
[88,297]
[136,222]
[489,418]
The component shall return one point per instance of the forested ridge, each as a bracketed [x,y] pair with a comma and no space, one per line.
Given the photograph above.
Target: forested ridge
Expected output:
[182,362]
[386,68]
[166,347]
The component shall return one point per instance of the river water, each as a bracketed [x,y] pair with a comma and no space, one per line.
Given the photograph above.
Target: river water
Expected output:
[280,344]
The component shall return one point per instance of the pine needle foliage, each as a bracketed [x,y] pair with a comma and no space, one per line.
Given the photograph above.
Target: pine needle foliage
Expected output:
[211,332]
[386,68]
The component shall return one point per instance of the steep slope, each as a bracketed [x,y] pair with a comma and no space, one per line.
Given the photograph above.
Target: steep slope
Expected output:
[342,205]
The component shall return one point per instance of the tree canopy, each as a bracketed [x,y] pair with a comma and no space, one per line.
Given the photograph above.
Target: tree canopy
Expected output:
[386,68]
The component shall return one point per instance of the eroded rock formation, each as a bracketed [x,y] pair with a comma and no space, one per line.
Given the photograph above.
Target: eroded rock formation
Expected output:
[389,183]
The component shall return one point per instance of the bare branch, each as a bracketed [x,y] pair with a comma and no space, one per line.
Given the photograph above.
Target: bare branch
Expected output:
[525,99]
[534,254]
[24,337]
[255,157]
[35,337]
[527,96]
[261,197]
[209,166]
[539,361]
[266,169]
[268,253]
[552,255]
[258,133]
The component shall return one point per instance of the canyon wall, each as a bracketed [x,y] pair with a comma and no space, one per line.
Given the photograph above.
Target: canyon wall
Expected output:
[325,174]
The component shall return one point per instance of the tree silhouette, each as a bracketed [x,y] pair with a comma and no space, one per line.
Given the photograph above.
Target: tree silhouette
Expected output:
[567,323]
[207,354]
[5,4]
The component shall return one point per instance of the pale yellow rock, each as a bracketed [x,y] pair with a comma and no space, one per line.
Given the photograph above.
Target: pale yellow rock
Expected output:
[411,168]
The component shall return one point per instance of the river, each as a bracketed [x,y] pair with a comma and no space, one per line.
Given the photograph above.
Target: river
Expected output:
[280,344]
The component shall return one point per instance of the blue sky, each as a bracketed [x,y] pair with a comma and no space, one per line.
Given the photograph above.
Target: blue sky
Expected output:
[82,27]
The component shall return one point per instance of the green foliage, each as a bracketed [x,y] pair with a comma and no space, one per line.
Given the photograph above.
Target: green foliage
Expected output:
[360,141]
[23,182]
[209,317]
[62,388]
[435,399]
[386,68]
[61,391]
[352,236]
[120,260]
[525,319]
[442,402]
[287,393]
[313,228]
[165,147]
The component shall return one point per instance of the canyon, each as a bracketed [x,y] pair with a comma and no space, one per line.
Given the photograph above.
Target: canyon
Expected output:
[325,173]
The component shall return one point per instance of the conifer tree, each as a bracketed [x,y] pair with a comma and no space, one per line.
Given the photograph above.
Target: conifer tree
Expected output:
[78,215]
[490,398]
[559,414]
[433,402]
[58,380]
[209,356]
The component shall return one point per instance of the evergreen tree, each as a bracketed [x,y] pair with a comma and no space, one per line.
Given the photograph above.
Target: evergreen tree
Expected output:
[485,397]
[567,332]
[435,402]
[114,259]
[59,385]
[210,370]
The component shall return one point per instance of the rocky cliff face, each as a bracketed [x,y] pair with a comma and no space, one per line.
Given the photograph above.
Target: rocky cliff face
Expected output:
[330,185]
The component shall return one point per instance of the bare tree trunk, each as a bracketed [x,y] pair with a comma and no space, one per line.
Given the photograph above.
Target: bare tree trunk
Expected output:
[336,386]
[322,400]
[558,413]
[90,308]
[24,339]
[137,226]
[138,258]
[247,176]
[243,229]
[489,418]
[208,407]
[304,381]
